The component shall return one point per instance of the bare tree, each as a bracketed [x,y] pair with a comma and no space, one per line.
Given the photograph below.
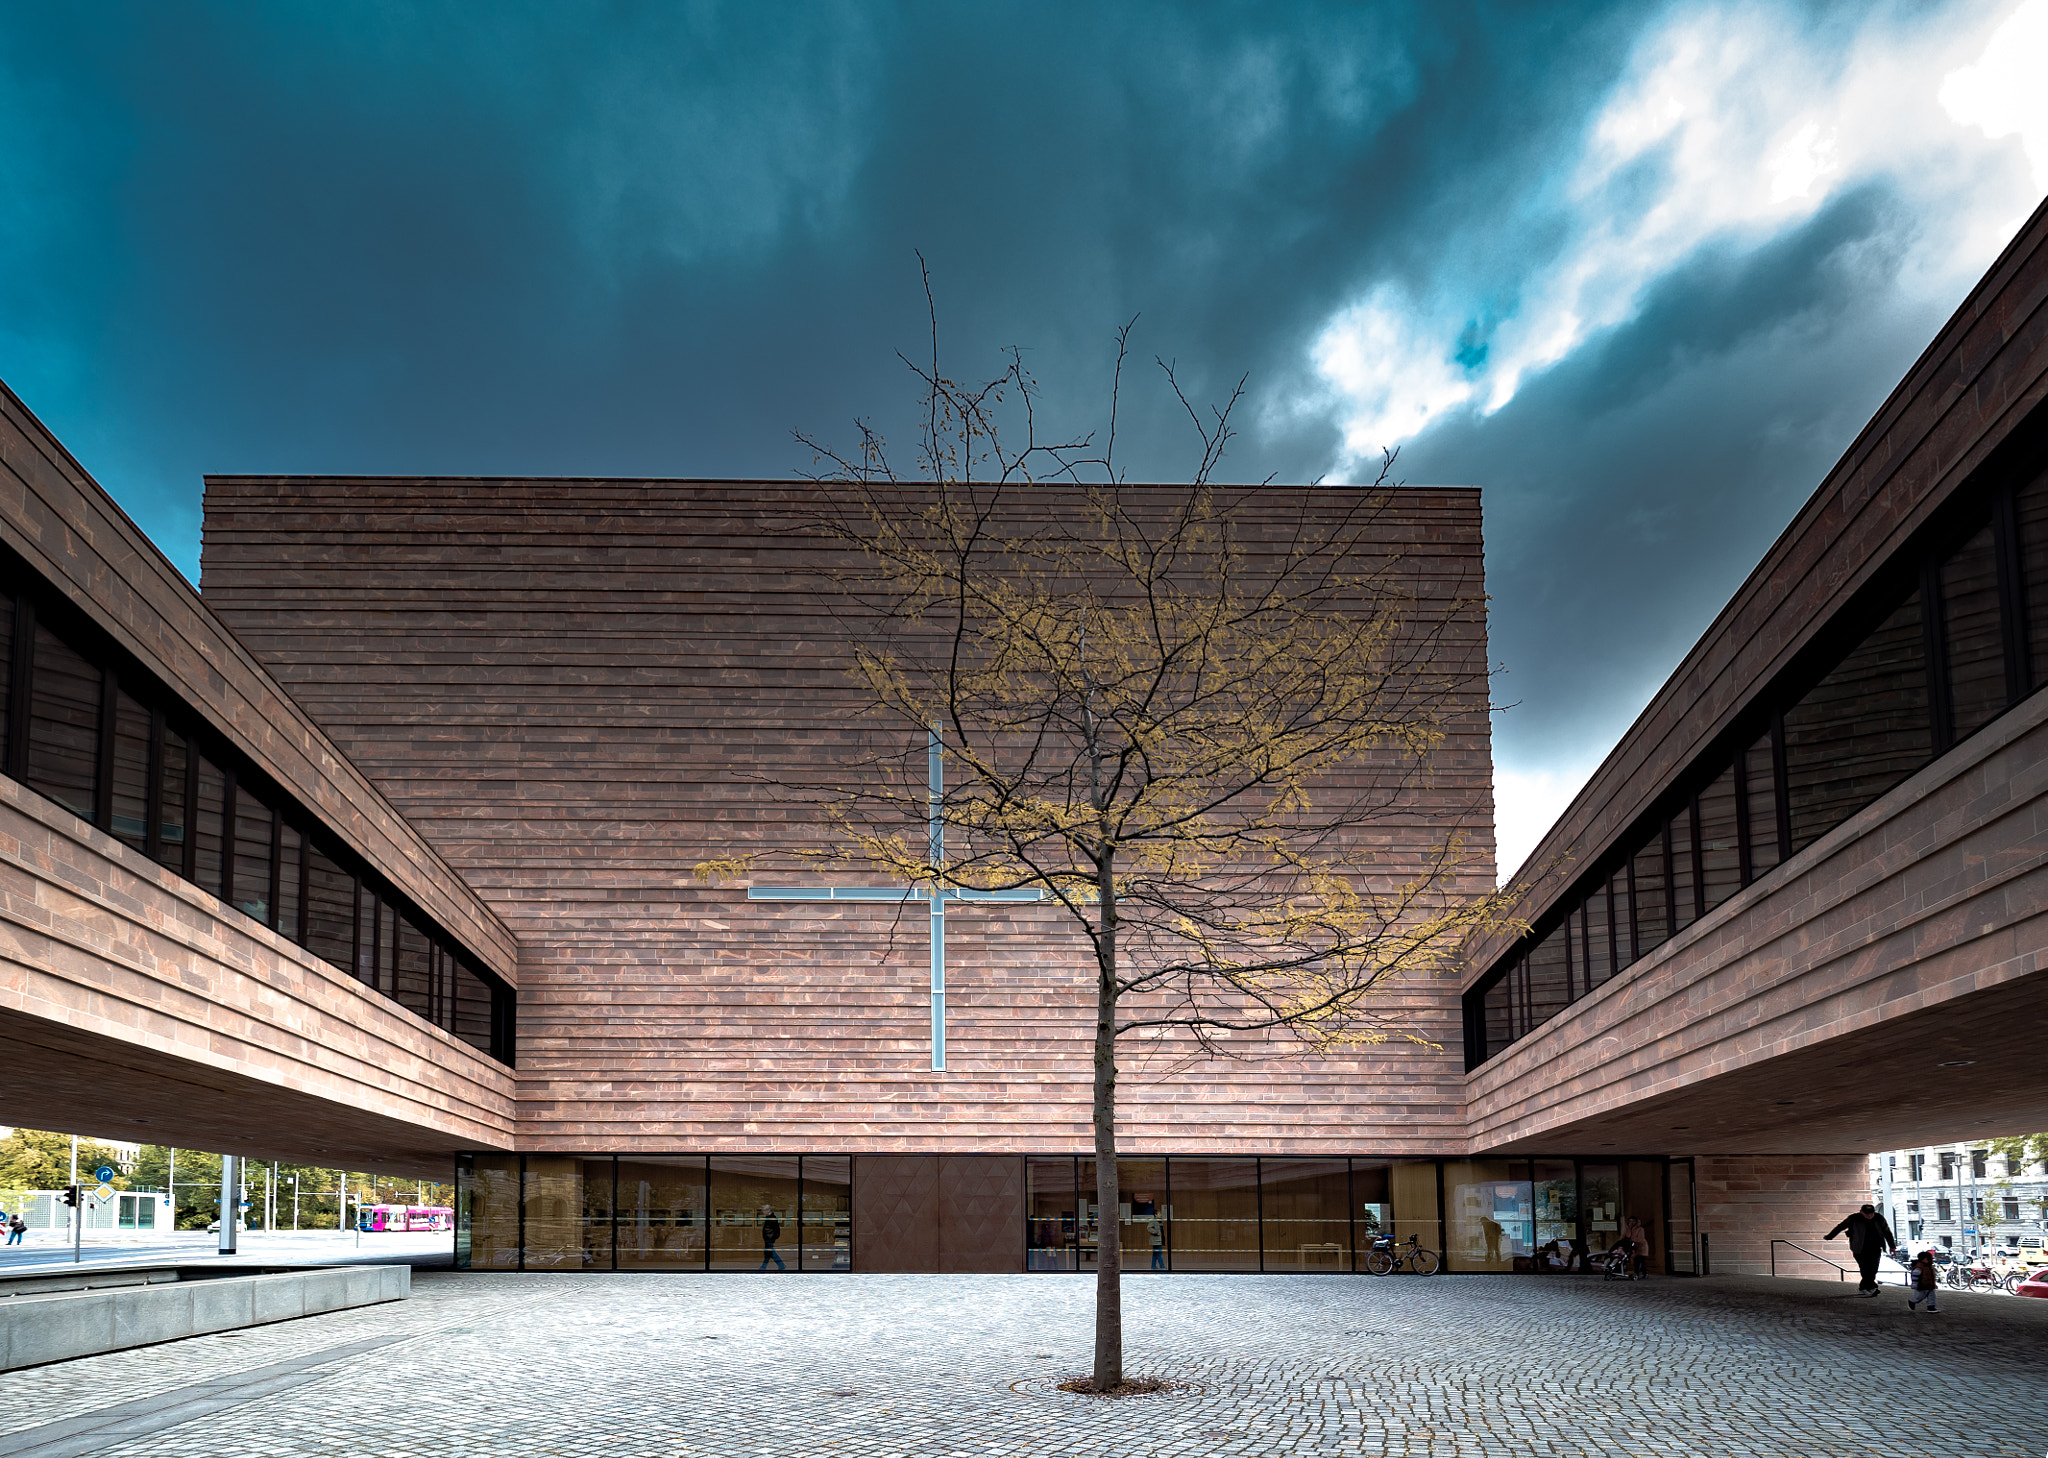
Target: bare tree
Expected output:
[1182,715]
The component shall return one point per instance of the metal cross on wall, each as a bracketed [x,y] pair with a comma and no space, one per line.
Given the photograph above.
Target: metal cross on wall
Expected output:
[899,894]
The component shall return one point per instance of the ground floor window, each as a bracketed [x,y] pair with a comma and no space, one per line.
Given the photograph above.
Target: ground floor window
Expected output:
[1519,1214]
[787,1212]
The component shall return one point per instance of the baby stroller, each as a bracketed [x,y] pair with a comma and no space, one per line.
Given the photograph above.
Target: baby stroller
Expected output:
[1618,1264]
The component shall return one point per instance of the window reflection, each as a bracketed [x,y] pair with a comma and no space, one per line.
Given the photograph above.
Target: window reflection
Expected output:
[6,658]
[827,1236]
[1973,641]
[63,725]
[1875,717]
[1305,1216]
[1720,847]
[661,1214]
[2030,513]
[1653,915]
[1142,1213]
[1760,784]
[568,1215]
[655,1212]
[1861,729]
[753,1212]
[1215,1214]
[1549,975]
[209,828]
[1499,1015]
[93,742]
[1493,1217]
[1598,952]
[1624,918]
[1681,891]
[1600,1189]
[254,826]
[174,788]
[1554,1197]
[130,822]
[487,1212]
[1052,1229]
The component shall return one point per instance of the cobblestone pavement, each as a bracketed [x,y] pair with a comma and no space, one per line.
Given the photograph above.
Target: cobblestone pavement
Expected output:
[879,1366]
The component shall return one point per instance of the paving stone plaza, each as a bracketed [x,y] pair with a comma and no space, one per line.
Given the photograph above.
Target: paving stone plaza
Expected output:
[624,1366]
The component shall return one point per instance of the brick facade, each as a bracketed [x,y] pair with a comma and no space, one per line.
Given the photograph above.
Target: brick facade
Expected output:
[136,1006]
[576,691]
[1745,1203]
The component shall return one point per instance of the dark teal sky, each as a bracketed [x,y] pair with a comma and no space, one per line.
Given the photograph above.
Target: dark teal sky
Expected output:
[1640,271]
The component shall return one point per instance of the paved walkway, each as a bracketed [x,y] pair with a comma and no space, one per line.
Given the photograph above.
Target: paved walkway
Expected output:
[882,1366]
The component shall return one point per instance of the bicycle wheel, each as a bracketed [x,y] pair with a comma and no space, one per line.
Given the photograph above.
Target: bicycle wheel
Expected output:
[1423,1261]
[1379,1262]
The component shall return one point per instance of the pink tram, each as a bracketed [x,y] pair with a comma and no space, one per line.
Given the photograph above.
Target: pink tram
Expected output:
[405,1217]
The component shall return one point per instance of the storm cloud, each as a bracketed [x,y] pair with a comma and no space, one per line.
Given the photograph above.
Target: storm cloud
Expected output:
[1639,271]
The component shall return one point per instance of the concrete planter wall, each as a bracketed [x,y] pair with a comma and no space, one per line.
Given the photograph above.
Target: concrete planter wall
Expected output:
[38,1328]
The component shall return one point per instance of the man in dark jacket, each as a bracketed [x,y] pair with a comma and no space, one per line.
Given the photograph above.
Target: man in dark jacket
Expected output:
[771,1231]
[1869,1239]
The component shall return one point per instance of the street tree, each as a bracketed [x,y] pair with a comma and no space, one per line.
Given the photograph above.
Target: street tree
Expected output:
[37,1159]
[1187,717]
[2018,1152]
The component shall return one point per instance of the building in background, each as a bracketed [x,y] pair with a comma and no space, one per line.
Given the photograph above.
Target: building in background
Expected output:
[378,854]
[1962,1197]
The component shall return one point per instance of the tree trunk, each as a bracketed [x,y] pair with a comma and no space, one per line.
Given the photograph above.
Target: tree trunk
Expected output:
[1109,1305]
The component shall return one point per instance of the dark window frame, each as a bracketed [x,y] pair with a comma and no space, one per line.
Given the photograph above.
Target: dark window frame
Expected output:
[1917,567]
[36,606]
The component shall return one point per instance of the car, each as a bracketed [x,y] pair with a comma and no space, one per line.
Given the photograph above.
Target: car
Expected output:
[2036,1284]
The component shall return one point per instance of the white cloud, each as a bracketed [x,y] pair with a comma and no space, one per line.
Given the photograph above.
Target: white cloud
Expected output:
[1729,125]
[1397,378]
[2005,92]
[1526,803]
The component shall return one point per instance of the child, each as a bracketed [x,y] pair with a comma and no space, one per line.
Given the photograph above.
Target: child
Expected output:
[1924,1282]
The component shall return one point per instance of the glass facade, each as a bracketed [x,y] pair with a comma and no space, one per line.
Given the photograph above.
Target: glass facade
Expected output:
[1189,1213]
[754,1203]
[1957,634]
[1200,1213]
[107,742]
[661,1215]
[827,1233]
[1525,1215]
[564,1212]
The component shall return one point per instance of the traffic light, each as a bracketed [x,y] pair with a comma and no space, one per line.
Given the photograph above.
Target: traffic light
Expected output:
[71,1195]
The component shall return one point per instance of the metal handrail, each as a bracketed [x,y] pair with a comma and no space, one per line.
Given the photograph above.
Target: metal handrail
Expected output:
[1824,1260]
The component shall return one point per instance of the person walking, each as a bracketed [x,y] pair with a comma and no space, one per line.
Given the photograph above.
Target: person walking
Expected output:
[1869,1239]
[16,1229]
[771,1231]
[1144,1209]
[1923,1282]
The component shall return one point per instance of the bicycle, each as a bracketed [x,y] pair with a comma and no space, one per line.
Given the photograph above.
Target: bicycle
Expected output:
[1385,1257]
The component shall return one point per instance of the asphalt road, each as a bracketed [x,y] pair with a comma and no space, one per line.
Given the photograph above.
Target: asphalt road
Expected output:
[50,1250]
